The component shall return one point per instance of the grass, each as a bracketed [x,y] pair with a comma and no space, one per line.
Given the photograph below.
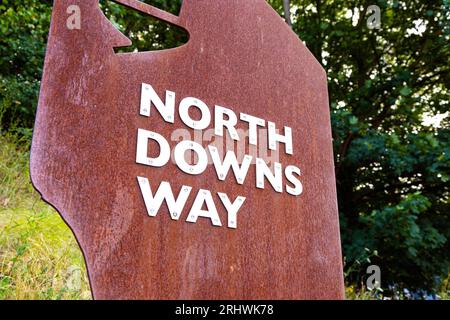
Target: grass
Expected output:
[39,257]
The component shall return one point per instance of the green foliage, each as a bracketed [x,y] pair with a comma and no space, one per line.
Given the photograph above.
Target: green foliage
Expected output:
[392,168]
[392,163]
[23,33]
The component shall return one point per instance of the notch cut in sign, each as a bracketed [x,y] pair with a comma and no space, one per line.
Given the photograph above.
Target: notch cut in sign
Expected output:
[176,206]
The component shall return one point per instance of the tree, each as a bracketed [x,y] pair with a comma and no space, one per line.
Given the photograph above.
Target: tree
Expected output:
[392,168]
[287,12]
[23,34]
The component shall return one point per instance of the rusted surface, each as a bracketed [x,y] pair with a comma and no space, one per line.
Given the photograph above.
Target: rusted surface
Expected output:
[240,55]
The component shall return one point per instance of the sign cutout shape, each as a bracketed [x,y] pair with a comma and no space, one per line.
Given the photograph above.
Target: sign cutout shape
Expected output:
[199,172]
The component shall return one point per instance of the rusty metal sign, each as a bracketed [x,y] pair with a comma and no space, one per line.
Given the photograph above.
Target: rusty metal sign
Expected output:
[199,172]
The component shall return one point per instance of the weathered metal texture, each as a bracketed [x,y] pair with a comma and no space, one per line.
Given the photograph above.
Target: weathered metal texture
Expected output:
[240,55]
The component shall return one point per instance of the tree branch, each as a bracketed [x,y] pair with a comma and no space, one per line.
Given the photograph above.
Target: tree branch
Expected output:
[287,12]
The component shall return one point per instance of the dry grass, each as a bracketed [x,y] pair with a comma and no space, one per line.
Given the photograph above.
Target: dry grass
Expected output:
[39,257]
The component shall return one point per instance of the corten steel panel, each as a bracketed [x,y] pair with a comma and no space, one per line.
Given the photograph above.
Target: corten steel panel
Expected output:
[240,55]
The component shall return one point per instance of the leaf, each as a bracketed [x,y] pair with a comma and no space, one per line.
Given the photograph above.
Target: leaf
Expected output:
[405,91]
